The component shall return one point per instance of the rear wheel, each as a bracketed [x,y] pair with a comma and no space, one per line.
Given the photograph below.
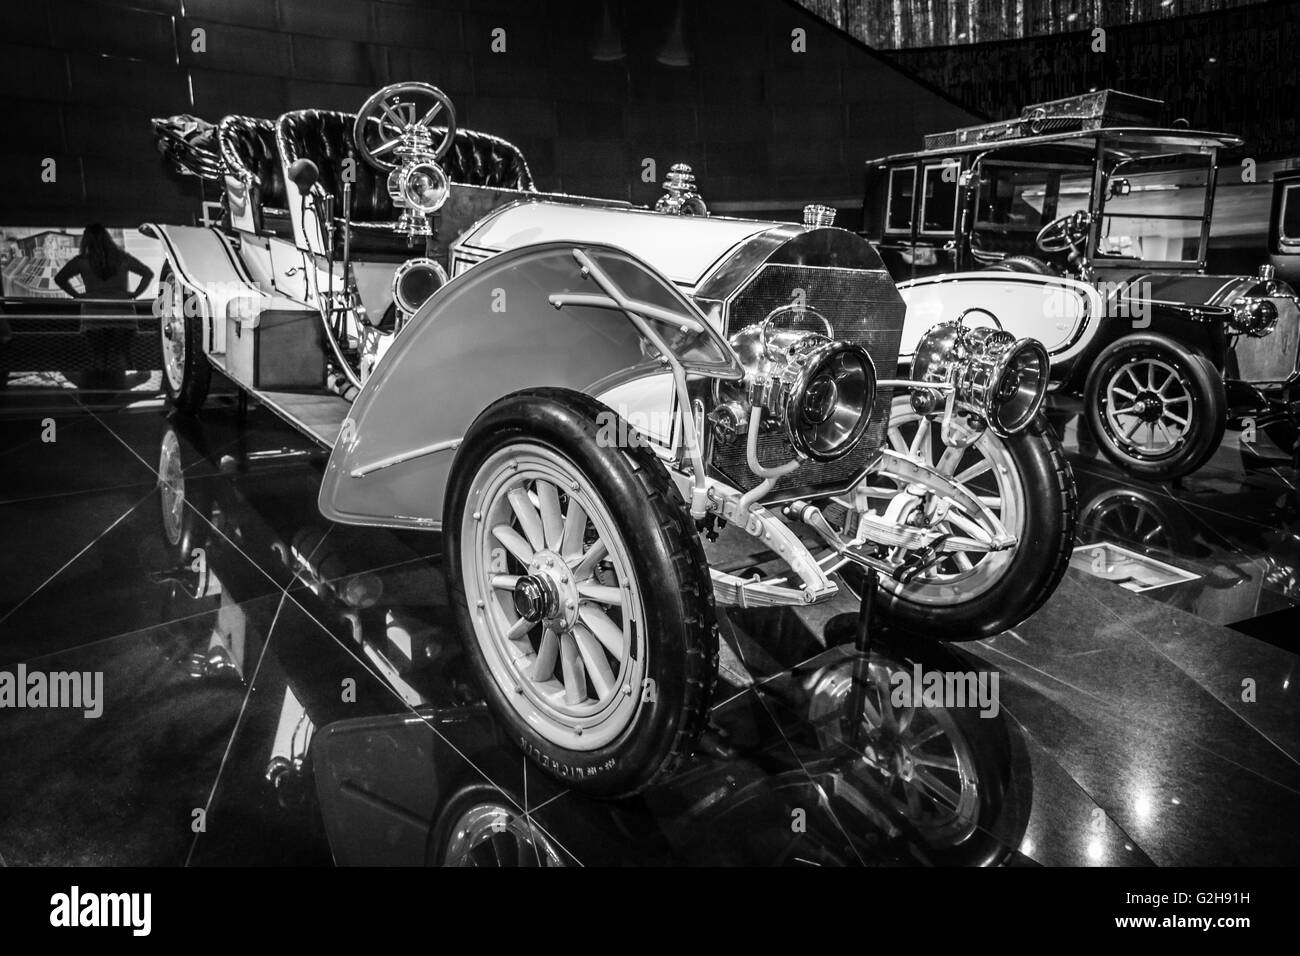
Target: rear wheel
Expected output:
[1157,410]
[582,592]
[186,372]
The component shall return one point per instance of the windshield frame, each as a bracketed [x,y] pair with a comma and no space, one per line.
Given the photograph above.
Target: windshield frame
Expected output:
[1139,154]
[1107,151]
[1004,160]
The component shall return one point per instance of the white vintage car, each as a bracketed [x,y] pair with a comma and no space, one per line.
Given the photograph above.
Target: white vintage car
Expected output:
[583,395]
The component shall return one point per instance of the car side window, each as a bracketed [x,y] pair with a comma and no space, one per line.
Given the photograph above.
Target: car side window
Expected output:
[939,198]
[1288,220]
[902,189]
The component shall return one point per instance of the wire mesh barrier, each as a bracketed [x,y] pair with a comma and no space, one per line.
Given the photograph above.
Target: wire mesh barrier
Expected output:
[91,353]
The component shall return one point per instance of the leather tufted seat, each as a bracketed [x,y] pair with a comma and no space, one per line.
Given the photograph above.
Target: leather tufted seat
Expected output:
[249,153]
[325,137]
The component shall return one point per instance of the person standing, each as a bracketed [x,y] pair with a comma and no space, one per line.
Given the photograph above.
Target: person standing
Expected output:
[104,270]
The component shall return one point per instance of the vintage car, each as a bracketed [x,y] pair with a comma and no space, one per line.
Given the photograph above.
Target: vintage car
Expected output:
[1085,224]
[587,397]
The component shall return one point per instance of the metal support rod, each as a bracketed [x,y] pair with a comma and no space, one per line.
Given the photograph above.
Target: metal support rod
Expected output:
[347,234]
[637,312]
[852,717]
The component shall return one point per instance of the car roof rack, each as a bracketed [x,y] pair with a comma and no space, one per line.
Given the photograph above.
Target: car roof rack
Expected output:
[1090,111]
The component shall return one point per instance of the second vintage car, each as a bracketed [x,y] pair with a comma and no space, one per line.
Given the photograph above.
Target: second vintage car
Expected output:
[614,415]
[1085,223]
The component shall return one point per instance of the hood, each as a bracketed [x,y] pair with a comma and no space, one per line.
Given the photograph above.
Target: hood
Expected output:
[1184,289]
[686,249]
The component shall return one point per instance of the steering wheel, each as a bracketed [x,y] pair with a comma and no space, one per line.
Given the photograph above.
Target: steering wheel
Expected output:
[1065,233]
[394,110]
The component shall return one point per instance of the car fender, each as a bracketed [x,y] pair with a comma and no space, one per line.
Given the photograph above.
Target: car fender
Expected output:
[203,261]
[489,332]
[1062,313]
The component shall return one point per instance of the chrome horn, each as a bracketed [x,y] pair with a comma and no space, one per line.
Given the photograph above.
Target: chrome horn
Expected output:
[993,374]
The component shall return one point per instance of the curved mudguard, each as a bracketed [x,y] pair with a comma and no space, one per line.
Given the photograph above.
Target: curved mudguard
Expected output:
[488,332]
[203,262]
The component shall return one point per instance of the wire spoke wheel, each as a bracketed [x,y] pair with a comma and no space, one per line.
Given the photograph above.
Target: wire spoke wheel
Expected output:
[1157,406]
[918,756]
[555,606]
[985,469]
[1149,407]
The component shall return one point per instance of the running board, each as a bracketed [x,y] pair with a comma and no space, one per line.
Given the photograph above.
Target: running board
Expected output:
[317,413]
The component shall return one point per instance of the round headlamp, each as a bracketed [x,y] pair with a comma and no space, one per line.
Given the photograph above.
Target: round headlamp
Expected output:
[425,187]
[995,375]
[421,187]
[415,281]
[1256,317]
[828,404]
[1009,378]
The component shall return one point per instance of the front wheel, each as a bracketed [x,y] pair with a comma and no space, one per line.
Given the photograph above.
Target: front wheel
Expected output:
[1157,410]
[582,592]
[1028,492]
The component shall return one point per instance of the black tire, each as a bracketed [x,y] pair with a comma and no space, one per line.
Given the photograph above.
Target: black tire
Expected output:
[1036,567]
[195,373]
[1196,376]
[1029,264]
[681,642]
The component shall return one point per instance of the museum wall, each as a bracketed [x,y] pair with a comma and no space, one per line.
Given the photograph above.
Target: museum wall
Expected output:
[760,123]
[1234,70]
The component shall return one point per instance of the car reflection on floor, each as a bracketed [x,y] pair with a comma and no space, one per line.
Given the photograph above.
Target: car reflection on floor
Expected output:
[1233,530]
[783,777]
[281,690]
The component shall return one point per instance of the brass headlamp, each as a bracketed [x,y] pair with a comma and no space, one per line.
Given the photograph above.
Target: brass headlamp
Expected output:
[993,374]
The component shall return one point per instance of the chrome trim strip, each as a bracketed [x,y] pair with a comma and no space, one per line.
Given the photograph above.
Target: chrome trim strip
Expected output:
[450,444]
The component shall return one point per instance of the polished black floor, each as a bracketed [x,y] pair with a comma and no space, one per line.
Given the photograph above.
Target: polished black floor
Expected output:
[280,690]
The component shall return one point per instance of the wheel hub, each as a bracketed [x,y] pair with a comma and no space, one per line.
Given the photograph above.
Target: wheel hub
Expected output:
[534,598]
[548,592]
[1149,406]
[889,753]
